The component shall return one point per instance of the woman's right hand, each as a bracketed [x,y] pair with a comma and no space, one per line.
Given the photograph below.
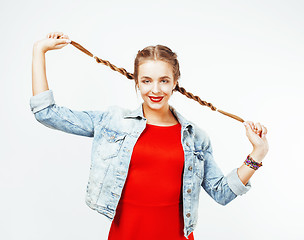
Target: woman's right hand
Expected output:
[53,40]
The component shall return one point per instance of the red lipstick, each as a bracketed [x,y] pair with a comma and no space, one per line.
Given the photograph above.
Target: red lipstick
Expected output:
[156,99]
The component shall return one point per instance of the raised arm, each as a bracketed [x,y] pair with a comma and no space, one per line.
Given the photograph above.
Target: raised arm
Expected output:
[53,41]
[256,134]
[42,103]
[224,189]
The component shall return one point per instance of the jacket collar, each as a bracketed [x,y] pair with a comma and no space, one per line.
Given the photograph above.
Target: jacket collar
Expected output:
[138,113]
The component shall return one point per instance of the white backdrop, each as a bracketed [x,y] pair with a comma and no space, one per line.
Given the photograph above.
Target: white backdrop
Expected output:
[245,57]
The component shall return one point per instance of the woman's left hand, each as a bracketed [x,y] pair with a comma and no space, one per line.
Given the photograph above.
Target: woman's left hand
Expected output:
[256,134]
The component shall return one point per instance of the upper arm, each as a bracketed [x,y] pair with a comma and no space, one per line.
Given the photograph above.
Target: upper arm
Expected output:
[48,113]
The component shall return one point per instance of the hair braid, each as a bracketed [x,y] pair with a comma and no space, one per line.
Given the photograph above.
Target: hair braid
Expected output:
[113,67]
[196,98]
[177,88]
[204,103]
[105,62]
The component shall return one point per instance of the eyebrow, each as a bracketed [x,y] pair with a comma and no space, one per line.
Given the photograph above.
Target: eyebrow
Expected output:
[151,78]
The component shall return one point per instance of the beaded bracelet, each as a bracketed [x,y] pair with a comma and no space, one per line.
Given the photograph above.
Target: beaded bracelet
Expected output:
[251,163]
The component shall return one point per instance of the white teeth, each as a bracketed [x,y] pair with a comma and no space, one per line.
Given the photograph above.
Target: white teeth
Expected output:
[156,98]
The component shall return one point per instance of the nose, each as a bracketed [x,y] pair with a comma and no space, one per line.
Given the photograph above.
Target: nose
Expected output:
[156,88]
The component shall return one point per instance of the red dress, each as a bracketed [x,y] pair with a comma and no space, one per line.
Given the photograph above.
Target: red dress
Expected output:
[150,207]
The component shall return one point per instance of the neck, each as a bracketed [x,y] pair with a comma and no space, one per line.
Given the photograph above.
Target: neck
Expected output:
[163,115]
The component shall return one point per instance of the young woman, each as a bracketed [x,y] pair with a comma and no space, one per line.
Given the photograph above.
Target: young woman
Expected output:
[148,165]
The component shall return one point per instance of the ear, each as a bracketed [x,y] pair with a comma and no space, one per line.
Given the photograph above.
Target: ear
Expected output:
[175,84]
[137,88]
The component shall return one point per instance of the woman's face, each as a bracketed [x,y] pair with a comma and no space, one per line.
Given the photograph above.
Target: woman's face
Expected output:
[155,82]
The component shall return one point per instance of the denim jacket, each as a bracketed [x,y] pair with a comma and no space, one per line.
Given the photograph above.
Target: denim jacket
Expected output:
[115,132]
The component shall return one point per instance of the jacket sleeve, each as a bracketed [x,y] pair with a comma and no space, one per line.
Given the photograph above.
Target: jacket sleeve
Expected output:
[223,189]
[48,113]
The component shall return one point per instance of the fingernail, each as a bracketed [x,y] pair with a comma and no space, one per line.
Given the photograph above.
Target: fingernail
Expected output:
[68,41]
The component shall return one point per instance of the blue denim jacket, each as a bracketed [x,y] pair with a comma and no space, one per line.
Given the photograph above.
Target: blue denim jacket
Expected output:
[115,132]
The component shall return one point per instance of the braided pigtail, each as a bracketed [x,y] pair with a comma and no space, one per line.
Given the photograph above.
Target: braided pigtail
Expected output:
[158,52]
[204,103]
[105,62]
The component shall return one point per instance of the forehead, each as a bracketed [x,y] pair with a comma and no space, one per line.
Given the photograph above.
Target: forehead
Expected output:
[155,68]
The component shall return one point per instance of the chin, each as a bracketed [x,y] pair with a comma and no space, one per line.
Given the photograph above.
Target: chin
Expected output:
[156,106]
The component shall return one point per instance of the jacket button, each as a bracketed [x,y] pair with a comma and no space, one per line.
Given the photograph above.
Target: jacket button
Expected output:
[188,215]
[187,144]
[189,190]
[190,168]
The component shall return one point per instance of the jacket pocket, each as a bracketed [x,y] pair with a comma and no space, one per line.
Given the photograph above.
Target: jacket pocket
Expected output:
[110,143]
[199,163]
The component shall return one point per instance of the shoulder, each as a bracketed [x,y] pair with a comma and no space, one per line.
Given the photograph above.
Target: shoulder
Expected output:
[112,112]
[114,109]
[109,113]
[121,119]
[199,131]
[118,111]
[201,137]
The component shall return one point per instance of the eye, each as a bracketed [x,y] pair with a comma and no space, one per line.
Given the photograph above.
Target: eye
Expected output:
[145,81]
[164,81]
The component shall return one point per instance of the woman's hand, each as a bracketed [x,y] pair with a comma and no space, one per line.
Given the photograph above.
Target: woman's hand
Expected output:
[256,134]
[53,40]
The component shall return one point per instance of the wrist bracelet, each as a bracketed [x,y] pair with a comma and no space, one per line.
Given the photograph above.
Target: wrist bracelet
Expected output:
[251,163]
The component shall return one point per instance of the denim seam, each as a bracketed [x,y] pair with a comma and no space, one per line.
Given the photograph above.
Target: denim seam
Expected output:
[210,186]
[70,121]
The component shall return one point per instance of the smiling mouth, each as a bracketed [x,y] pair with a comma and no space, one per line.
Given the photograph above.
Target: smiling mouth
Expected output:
[156,99]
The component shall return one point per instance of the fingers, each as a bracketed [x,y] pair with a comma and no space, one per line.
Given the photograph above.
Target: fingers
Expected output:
[61,39]
[61,43]
[257,128]
[64,37]
[54,34]
[250,125]
[264,131]
[57,35]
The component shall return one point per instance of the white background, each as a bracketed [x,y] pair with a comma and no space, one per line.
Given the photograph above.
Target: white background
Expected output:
[245,57]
